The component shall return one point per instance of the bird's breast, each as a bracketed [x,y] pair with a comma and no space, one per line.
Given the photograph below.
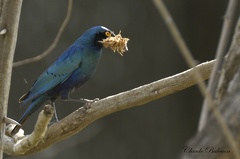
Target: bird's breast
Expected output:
[90,61]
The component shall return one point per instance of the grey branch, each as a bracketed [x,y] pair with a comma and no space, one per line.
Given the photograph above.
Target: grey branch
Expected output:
[9,20]
[221,52]
[135,97]
[54,43]
[227,99]
[21,144]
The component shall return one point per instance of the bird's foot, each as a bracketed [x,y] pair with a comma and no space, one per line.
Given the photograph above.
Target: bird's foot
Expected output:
[87,102]
[82,100]
[90,102]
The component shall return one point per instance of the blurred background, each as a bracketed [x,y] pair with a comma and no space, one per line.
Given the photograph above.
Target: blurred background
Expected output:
[159,129]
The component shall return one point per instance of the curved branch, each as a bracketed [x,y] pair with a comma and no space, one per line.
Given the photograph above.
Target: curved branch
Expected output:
[53,45]
[25,143]
[135,97]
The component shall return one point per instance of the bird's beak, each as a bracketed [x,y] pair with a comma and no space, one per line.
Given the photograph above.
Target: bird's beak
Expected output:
[112,34]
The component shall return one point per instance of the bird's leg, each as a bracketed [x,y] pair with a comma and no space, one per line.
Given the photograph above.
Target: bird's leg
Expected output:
[55,112]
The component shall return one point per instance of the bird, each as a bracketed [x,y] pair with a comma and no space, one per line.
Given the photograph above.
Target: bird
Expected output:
[69,72]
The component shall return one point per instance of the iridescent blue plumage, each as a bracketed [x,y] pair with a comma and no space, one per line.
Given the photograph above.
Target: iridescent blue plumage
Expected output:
[71,70]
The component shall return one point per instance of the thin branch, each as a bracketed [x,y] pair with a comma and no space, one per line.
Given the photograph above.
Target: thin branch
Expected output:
[175,33]
[9,20]
[135,97]
[221,51]
[191,62]
[53,45]
[184,50]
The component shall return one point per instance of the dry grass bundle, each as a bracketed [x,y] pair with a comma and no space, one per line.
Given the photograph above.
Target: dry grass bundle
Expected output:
[117,43]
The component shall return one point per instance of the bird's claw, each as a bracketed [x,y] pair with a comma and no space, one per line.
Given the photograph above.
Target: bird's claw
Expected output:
[82,100]
[90,102]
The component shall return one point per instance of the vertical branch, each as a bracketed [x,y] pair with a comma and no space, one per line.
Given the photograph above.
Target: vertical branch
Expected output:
[184,50]
[9,20]
[191,63]
[221,51]
[227,98]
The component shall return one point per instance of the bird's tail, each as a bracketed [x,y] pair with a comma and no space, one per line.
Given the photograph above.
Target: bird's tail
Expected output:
[31,109]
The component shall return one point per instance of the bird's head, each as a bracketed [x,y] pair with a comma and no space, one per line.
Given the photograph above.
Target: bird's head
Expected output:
[96,34]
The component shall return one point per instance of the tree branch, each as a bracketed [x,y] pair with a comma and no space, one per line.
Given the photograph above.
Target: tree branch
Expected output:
[9,20]
[25,143]
[53,45]
[227,99]
[191,63]
[135,97]
[221,51]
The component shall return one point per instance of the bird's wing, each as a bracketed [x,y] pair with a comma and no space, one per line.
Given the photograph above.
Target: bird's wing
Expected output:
[57,73]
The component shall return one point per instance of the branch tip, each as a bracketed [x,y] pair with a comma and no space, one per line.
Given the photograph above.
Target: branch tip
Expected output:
[48,110]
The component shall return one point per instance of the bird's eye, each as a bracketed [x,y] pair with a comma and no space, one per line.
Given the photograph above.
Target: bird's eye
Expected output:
[107,33]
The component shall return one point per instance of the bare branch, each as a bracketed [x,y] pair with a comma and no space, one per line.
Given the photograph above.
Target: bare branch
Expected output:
[135,97]
[186,53]
[221,51]
[9,19]
[191,62]
[227,99]
[25,143]
[53,45]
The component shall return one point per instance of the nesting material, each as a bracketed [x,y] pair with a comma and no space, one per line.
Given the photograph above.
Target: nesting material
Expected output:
[117,43]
